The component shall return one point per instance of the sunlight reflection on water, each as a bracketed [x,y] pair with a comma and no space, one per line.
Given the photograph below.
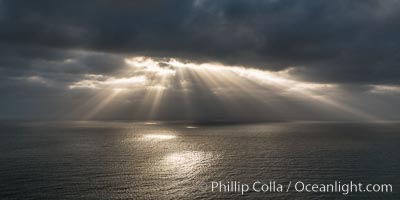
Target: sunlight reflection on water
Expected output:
[159,137]
[187,161]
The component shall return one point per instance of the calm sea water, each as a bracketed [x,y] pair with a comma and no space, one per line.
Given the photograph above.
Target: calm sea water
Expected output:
[125,160]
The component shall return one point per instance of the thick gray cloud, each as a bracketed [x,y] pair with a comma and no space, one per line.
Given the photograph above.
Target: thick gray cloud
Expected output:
[332,41]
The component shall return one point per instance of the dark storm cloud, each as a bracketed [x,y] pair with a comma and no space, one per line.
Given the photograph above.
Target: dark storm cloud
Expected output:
[28,60]
[332,41]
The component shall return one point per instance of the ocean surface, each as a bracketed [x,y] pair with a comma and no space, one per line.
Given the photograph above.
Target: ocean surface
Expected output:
[137,160]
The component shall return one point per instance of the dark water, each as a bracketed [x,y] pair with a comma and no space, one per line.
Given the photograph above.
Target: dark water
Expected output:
[125,160]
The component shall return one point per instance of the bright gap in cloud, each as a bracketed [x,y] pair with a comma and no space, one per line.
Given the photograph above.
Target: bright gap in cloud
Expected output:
[148,73]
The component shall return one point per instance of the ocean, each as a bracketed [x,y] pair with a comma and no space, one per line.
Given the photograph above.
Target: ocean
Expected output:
[160,160]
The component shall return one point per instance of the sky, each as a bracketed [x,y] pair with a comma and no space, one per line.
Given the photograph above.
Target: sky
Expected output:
[233,60]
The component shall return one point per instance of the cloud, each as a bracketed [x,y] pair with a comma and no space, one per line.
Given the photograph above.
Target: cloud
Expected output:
[58,54]
[332,41]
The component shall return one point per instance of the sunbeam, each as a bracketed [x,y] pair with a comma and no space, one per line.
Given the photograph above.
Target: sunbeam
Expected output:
[233,89]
